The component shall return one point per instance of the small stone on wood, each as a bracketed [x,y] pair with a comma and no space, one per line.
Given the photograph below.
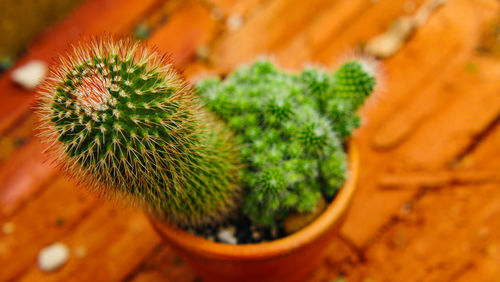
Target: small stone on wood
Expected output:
[30,75]
[53,257]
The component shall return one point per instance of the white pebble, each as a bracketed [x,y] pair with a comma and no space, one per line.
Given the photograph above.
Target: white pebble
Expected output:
[52,257]
[226,235]
[30,75]
[388,43]
[384,45]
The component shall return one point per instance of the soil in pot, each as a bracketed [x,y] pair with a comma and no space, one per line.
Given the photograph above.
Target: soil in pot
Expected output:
[241,230]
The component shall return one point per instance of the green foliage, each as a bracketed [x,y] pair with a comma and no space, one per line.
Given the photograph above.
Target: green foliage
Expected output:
[289,130]
[127,123]
[354,81]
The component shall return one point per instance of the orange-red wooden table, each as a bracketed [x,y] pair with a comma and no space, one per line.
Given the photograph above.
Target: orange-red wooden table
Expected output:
[428,202]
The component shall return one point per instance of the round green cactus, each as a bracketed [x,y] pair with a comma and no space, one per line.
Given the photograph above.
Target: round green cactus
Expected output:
[282,137]
[289,129]
[121,119]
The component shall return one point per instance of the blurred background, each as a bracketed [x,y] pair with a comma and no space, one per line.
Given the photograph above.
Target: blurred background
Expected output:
[428,201]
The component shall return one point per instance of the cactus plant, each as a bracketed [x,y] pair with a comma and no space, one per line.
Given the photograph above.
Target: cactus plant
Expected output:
[121,119]
[289,130]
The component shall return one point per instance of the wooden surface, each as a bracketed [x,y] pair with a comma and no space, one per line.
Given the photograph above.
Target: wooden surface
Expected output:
[428,201]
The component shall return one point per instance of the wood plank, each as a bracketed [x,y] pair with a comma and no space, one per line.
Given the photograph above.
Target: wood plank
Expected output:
[437,245]
[22,165]
[340,260]
[429,100]
[187,29]
[56,211]
[15,138]
[116,240]
[264,32]
[26,173]
[163,265]
[231,7]
[449,234]
[454,35]
[336,32]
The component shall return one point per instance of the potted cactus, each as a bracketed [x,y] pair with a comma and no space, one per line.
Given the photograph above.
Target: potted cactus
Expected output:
[260,154]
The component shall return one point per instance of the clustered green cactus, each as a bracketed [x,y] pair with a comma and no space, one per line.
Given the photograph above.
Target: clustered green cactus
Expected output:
[121,119]
[289,130]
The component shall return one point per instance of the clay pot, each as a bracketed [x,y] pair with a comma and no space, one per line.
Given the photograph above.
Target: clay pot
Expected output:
[288,259]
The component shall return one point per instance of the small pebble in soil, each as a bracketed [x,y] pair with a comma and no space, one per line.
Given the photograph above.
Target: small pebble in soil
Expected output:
[241,230]
[30,75]
[53,257]
[8,228]
[226,235]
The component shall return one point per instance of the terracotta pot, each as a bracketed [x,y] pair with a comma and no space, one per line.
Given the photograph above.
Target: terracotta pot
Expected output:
[288,259]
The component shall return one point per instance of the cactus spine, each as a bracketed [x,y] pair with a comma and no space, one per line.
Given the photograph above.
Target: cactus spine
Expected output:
[120,119]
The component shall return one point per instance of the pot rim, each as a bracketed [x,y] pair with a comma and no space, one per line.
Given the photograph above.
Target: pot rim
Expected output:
[282,246]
